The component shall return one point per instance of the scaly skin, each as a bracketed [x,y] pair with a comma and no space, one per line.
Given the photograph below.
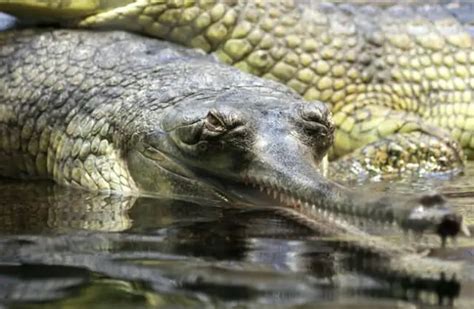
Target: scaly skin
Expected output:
[35,207]
[62,9]
[148,120]
[386,72]
[80,121]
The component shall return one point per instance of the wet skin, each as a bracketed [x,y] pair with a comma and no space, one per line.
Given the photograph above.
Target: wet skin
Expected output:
[398,77]
[156,119]
[129,122]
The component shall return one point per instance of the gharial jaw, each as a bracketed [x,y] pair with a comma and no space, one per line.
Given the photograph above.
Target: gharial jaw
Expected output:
[428,212]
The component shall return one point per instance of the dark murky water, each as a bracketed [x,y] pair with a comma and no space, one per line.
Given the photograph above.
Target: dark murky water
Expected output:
[70,248]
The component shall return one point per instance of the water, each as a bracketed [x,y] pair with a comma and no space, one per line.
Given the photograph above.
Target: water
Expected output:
[61,247]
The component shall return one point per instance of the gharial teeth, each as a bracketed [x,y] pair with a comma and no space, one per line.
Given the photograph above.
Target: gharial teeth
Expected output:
[275,194]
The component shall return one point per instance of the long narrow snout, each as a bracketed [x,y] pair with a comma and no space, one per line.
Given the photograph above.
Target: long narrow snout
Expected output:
[288,174]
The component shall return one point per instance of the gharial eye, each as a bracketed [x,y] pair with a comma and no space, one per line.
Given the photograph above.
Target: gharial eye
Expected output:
[214,122]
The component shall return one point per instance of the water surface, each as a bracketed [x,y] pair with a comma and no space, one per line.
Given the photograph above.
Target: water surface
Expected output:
[65,247]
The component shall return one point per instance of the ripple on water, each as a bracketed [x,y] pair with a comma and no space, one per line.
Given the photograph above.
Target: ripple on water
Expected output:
[64,247]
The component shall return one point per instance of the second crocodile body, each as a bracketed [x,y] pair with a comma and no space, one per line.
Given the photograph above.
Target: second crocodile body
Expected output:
[398,78]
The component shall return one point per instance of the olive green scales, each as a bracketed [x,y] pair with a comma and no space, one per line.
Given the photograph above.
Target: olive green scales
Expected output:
[135,127]
[399,79]
[148,120]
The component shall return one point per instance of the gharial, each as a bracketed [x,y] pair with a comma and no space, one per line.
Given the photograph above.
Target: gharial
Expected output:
[399,78]
[114,111]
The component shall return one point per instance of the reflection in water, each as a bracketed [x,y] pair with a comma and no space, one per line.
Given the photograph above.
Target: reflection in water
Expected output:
[37,207]
[66,247]
[459,190]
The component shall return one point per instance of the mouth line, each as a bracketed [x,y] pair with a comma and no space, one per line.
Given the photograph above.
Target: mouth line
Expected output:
[155,154]
[277,194]
[372,212]
[443,224]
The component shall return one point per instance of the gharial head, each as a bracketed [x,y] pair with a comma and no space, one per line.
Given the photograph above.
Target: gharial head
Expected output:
[229,144]
[211,133]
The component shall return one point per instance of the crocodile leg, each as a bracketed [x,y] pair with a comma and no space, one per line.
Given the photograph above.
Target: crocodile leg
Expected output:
[374,139]
[399,154]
